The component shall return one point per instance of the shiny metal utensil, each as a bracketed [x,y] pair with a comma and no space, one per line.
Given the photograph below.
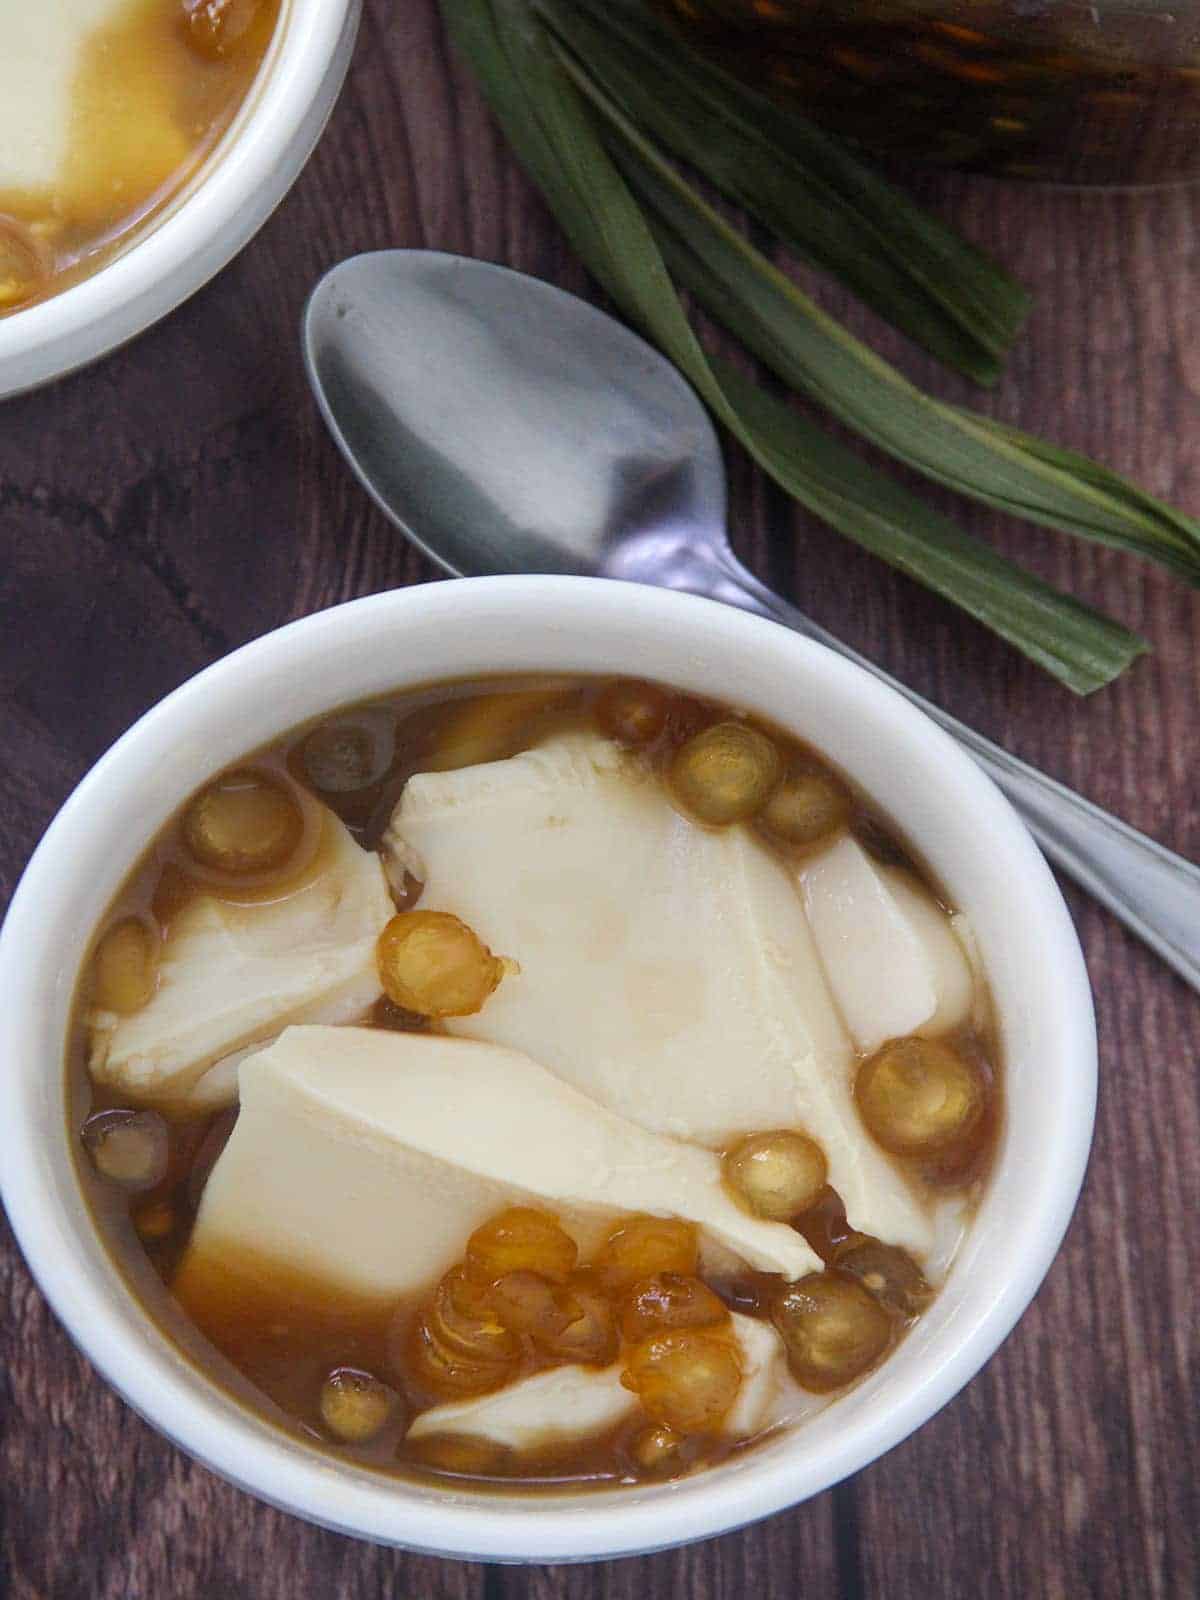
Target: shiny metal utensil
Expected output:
[506,426]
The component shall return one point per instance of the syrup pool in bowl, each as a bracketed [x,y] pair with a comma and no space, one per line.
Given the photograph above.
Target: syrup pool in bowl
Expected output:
[547,1082]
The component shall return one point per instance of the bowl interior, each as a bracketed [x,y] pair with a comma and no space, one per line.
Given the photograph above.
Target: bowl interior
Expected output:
[936,797]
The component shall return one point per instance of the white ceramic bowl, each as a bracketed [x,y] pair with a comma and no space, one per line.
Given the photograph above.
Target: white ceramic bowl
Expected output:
[214,215]
[962,826]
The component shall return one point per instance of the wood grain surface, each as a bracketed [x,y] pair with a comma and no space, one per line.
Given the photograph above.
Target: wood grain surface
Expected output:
[182,497]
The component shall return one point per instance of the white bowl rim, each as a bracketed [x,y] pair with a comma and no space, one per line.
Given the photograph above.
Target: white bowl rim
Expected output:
[145,1368]
[221,206]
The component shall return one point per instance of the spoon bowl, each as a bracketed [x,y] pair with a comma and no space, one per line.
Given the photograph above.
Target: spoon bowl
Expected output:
[505,425]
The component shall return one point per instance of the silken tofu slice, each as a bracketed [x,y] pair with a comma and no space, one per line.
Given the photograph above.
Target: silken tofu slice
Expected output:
[666,970]
[571,1404]
[890,952]
[234,975]
[364,1159]
[91,124]
[561,1406]
[764,1378]
[39,61]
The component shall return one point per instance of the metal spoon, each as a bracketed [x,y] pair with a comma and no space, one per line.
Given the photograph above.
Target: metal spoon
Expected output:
[506,426]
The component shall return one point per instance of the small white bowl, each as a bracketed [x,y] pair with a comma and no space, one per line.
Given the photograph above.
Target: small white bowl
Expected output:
[221,207]
[935,795]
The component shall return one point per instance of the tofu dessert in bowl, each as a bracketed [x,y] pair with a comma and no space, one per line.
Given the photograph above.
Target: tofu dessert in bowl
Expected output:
[142,142]
[484,1101]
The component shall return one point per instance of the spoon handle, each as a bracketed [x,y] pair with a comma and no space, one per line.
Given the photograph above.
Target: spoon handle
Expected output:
[1154,892]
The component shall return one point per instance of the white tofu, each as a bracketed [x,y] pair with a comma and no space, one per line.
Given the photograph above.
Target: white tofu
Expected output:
[764,1377]
[365,1159]
[40,45]
[889,951]
[234,975]
[575,1403]
[551,1408]
[667,971]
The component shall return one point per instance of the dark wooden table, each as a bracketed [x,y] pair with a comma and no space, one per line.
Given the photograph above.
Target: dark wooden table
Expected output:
[183,497]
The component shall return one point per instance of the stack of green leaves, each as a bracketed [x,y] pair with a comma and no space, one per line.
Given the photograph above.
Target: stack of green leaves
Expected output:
[600,100]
